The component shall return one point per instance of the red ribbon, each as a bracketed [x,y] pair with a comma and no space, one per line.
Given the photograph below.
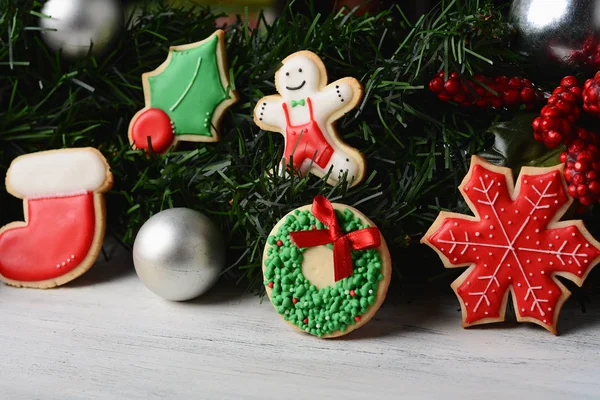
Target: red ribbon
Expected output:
[367,238]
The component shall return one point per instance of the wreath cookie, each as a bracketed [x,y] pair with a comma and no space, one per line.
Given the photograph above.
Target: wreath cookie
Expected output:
[326,268]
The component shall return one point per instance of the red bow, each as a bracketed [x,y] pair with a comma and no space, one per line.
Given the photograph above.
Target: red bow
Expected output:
[367,238]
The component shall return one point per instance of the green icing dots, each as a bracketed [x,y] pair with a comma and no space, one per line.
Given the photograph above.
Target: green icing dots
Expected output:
[327,310]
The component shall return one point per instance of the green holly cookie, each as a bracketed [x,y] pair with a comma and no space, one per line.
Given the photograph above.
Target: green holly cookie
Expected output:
[186,96]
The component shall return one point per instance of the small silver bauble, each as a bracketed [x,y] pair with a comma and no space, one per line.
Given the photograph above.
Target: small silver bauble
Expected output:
[556,30]
[179,254]
[76,25]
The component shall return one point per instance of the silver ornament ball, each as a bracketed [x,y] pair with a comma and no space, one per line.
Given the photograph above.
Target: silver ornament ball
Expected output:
[76,25]
[179,254]
[556,31]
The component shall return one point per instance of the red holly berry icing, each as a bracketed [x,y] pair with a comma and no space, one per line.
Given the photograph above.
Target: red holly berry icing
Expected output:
[514,243]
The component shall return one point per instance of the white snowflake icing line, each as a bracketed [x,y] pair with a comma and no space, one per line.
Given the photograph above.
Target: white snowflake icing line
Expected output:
[492,278]
[559,253]
[467,243]
[536,206]
[509,248]
[531,289]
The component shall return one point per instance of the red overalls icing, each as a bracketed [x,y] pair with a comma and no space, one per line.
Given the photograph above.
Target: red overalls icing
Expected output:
[306,141]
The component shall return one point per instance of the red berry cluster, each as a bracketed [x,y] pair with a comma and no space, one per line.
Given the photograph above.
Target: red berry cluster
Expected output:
[591,95]
[556,122]
[511,92]
[582,167]
[589,53]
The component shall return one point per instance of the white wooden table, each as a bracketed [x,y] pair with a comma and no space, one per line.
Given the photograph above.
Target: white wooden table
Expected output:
[105,336]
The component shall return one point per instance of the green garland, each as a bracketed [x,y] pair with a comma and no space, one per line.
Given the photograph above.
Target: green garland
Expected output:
[417,149]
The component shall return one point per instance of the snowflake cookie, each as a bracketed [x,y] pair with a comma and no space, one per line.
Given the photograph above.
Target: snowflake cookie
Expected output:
[304,111]
[514,244]
[326,268]
[185,97]
[65,217]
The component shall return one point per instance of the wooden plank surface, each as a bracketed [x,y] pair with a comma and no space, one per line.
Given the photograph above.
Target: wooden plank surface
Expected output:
[106,336]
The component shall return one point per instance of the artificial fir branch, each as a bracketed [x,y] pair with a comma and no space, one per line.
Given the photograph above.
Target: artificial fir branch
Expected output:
[417,149]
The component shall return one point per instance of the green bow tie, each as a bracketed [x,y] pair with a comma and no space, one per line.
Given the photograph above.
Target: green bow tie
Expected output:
[298,103]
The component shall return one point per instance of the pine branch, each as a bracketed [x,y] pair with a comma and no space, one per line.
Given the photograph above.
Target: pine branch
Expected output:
[417,149]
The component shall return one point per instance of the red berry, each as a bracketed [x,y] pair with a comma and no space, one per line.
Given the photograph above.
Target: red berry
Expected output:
[511,92]
[295,300]
[357,318]
[572,190]
[586,200]
[528,95]
[582,190]
[515,82]
[453,86]
[305,320]
[563,157]
[511,97]
[436,85]
[591,94]
[352,293]
[569,81]
[279,243]
[270,285]
[582,165]
[580,159]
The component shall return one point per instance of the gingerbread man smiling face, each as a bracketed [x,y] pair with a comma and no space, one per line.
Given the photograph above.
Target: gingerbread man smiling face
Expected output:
[305,111]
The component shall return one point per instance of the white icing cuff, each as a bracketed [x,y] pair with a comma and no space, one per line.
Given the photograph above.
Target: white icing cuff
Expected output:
[56,173]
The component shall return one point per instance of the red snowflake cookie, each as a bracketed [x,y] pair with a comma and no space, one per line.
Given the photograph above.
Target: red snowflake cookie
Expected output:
[515,243]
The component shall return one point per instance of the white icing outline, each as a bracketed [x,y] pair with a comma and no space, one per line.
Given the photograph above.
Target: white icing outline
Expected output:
[189,86]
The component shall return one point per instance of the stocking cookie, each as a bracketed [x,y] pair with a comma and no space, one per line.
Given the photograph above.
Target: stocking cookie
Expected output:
[514,245]
[185,97]
[65,218]
[326,268]
[305,112]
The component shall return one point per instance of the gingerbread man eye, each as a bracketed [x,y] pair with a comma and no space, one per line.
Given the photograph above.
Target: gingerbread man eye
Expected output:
[287,74]
[300,70]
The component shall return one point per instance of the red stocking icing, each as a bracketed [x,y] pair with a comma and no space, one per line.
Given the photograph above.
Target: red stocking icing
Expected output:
[157,125]
[64,217]
[58,236]
[513,245]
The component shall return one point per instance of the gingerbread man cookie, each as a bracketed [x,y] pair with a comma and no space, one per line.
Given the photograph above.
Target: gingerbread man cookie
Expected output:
[305,112]
[65,217]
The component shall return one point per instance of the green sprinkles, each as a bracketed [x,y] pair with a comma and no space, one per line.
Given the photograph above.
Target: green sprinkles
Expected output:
[327,310]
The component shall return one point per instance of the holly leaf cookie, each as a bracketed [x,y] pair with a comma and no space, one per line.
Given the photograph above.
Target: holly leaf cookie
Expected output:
[515,244]
[305,111]
[186,96]
[65,217]
[326,268]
